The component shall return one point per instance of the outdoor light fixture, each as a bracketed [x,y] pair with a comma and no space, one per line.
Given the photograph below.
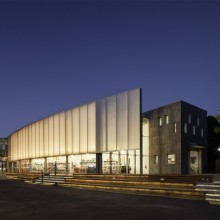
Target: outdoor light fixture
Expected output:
[218,148]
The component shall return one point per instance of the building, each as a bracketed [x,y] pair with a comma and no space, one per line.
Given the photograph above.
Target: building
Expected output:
[177,139]
[3,153]
[111,135]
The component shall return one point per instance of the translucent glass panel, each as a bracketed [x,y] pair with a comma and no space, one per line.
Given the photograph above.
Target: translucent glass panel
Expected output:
[41,141]
[134,117]
[46,137]
[51,135]
[145,139]
[75,134]
[91,127]
[33,140]
[69,132]
[109,124]
[118,122]
[101,125]
[83,129]
[122,121]
[56,129]
[37,140]
[62,133]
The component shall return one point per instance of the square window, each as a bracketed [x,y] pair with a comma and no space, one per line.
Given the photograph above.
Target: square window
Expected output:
[171,158]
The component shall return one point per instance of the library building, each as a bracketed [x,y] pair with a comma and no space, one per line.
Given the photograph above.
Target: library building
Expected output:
[113,136]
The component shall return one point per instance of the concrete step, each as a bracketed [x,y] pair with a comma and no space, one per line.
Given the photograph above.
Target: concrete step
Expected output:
[129,183]
[51,179]
[171,192]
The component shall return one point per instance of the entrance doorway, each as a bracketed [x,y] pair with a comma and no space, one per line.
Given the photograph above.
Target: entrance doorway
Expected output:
[195,161]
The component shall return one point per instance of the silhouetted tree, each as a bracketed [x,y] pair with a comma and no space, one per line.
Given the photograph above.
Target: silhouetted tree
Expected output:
[213,127]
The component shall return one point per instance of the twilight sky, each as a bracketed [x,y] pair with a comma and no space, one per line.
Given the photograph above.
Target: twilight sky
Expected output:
[58,54]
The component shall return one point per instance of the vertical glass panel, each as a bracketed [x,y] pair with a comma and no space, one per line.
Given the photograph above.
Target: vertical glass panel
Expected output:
[92,127]
[46,137]
[111,123]
[29,141]
[134,119]
[198,122]
[51,136]
[75,164]
[69,133]
[37,150]
[16,144]
[115,166]
[189,119]
[26,140]
[145,146]
[185,127]
[41,138]
[56,138]
[101,126]
[33,134]
[159,121]
[106,163]
[174,127]
[23,143]
[83,129]
[166,117]
[137,161]
[194,130]
[19,144]
[75,118]
[131,162]
[122,121]
[62,133]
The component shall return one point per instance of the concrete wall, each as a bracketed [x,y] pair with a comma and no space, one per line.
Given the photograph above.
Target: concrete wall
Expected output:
[169,138]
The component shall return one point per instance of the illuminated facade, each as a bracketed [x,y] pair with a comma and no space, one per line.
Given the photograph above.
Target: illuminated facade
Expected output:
[112,136]
[102,136]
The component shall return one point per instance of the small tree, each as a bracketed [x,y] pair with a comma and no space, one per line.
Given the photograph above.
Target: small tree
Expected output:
[213,141]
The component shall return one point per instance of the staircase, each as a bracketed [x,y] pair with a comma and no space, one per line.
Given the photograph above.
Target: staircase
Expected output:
[50,179]
[211,190]
[134,185]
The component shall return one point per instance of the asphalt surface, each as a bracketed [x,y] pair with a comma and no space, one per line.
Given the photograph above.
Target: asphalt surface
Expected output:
[19,200]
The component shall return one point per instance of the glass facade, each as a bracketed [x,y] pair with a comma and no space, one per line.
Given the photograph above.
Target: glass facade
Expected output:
[68,142]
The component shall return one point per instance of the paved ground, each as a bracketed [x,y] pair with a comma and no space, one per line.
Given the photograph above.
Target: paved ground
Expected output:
[20,200]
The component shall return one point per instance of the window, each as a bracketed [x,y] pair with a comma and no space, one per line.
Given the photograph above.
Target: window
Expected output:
[198,121]
[202,133]
[156,159]
[189,119]
[194,130]
[166,119]
[159,121]
[171,158]
[185,128]
[174,127]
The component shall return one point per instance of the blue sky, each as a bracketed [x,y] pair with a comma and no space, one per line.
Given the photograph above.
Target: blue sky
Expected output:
[58,54]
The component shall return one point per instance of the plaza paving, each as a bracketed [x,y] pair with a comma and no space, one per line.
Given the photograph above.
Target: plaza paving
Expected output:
[19,200]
